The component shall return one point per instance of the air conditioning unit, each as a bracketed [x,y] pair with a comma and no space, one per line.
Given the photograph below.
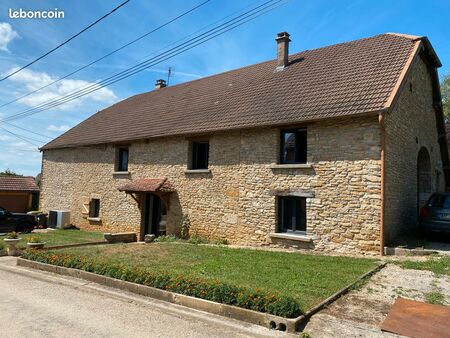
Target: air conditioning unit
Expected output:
[58,219]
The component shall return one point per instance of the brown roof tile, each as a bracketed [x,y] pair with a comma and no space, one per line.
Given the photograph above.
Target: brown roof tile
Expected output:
[17,183]
[340,80]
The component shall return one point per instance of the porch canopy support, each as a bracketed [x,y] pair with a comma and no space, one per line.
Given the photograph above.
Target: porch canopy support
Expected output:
[158,186]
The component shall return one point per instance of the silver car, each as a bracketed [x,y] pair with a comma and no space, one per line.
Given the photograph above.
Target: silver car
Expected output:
[435,215]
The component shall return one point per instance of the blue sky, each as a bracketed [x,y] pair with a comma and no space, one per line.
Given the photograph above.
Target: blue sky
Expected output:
[312,24]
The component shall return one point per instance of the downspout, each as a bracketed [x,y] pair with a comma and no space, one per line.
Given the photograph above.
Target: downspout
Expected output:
[382,165]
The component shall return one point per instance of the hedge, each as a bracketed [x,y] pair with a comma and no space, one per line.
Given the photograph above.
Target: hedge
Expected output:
[214,290]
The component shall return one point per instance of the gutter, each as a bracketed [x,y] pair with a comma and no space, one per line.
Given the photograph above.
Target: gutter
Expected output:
[383,181]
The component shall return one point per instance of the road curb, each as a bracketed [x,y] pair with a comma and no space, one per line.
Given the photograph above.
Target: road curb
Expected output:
[290,325]
[302,321]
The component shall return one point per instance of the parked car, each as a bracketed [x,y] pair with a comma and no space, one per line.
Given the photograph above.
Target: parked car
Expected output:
[435,215]
[16,222]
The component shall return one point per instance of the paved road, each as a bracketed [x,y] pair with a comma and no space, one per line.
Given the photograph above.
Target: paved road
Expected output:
[40,304]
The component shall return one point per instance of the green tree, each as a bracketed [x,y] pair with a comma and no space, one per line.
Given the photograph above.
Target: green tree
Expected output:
[445,90]
[8,172]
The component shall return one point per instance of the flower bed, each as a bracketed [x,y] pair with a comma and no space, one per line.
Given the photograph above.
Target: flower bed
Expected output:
[214,290]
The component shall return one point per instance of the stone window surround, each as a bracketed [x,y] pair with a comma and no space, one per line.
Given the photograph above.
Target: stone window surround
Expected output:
[191,141]
[197,171]
[124,173]
[118,147]
[291,236]
[296,131]
[295,236]
[88,217]
[291,166]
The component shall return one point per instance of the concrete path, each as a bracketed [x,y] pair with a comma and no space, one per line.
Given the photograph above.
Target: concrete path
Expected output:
[40,304]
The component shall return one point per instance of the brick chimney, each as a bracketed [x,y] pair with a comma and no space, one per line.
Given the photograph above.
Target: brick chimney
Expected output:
[160,83]
[282,50]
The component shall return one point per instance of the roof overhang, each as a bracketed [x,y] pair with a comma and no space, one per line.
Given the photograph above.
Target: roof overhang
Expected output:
[155,185]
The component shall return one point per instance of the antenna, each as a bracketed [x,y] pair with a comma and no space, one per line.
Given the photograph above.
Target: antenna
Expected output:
[169,74]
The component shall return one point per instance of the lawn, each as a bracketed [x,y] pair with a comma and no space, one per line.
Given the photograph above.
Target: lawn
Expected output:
[59,237]
[308,279]
[438,265]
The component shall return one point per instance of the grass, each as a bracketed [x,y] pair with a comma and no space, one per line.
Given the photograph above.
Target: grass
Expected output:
[59,237]
[438,265]
[308,279]
[434,297]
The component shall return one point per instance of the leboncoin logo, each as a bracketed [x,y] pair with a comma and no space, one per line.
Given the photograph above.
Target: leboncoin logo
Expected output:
[24,14]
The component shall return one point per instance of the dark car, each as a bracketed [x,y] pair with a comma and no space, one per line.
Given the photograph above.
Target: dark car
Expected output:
[435,215]
[16,222]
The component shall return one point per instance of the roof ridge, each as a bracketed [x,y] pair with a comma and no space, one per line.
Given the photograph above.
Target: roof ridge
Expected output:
[268,61]
[407,36]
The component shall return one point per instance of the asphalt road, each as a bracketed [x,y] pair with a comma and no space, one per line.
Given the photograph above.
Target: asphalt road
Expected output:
[40,304]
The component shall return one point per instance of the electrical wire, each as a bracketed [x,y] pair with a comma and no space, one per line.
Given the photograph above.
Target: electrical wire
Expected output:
[22,137]
[66,41]
[27,130]
[108,54]
[218,30]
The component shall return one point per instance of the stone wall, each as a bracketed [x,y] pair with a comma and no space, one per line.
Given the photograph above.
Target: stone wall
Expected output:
[236,200]
[410,126]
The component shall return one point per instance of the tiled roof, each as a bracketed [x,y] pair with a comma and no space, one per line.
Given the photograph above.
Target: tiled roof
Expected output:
[340,80]
[147,185]
[17,183]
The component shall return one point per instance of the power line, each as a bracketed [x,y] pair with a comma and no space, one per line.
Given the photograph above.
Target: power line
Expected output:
[27,130]
[52,103]
[21,137]
[216,31]
[66,41]
[109,54]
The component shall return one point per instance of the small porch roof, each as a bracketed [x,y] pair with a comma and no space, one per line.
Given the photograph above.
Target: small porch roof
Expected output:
[147,185]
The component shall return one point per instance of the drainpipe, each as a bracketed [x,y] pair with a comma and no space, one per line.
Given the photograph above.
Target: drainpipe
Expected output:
[382,159]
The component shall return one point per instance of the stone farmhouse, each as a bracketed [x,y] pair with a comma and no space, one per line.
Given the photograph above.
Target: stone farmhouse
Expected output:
[331,149]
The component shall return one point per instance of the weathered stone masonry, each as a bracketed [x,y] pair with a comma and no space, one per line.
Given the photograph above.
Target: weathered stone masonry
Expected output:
[236,200]
[410,126]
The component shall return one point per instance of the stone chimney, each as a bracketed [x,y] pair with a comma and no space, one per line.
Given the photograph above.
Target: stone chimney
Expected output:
[282,50]
[160,83]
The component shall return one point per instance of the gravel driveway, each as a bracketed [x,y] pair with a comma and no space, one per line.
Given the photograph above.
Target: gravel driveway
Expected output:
[360,313]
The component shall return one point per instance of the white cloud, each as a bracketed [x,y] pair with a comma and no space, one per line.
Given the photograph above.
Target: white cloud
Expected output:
[7,34]
[61,128]
[5,138]
[32,80]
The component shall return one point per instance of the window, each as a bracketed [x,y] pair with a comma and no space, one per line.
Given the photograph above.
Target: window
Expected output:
[292,214]
[200,155]
[293,146]
[122,159]
[94,208]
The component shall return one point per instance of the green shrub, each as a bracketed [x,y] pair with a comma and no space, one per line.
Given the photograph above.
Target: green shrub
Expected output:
[12,235]
[220,242]
[2,246]
[215,290]
[167,238]
[197,239]
[33,239]
[185,226]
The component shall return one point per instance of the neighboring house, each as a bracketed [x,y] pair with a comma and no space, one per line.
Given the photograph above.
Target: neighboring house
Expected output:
[332,149]
[16,192]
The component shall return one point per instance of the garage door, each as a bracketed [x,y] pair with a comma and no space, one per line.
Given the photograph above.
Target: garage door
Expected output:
[14,203]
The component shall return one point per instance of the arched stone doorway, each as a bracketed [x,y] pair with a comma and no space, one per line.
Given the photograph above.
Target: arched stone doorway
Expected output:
[424,179]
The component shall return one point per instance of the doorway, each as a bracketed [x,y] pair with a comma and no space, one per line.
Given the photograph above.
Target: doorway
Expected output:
[155,214]
[424,179]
